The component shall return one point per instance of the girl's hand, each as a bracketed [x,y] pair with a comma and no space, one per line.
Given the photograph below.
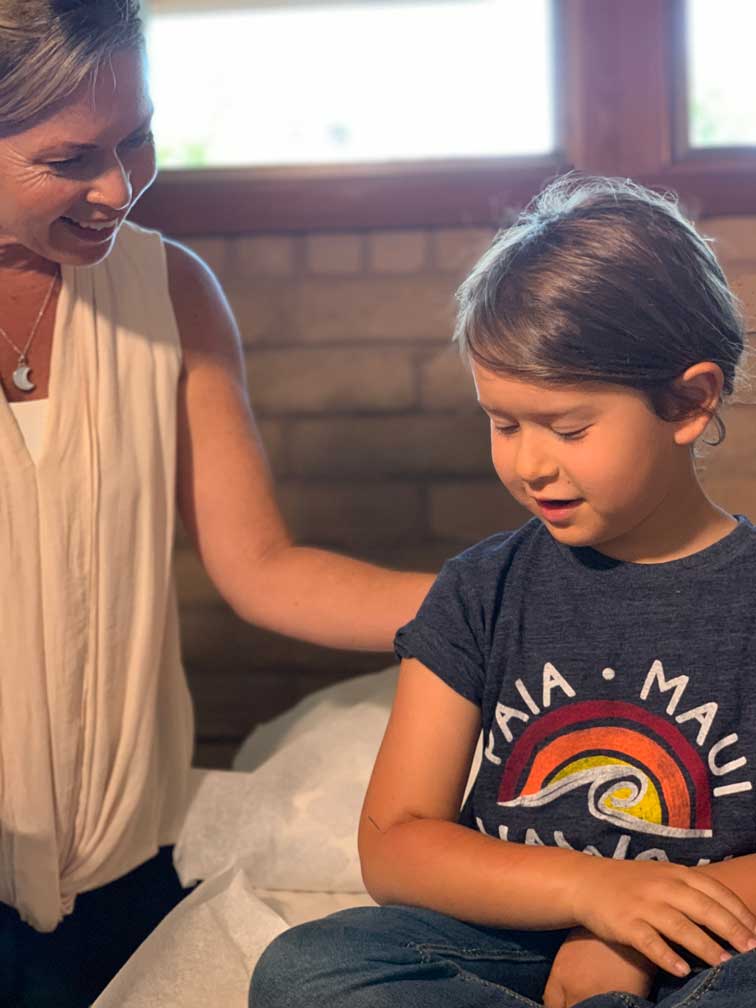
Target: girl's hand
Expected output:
[585,965]
[646,904]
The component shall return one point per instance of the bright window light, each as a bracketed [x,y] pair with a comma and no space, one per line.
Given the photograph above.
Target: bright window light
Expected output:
[367,83]
[722,73]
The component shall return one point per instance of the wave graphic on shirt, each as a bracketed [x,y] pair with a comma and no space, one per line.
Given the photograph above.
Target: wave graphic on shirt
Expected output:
[640,772]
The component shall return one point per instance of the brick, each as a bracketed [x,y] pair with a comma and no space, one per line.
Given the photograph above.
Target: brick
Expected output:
[736,455]
[446,382]
[269,256]
[214,252]
[375,308]
[456,250]
[347,515]
[743,283]
[412,445]
[418,555]
[734,237]
[398,251]
[735,494]
[334,380]
[327,255]
[212,755]
[745,384]
[230,702]
[262,312]
[193,586]
[273,434]
[473,509]
[240,675]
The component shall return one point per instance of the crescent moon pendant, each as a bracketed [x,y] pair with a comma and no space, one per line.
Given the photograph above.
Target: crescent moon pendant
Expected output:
[21,379]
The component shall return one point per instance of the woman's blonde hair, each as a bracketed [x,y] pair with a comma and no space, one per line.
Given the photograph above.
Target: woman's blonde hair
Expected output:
[48,48]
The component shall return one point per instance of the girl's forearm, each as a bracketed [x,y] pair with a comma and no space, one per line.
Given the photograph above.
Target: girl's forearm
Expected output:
[329,599]
[458,871]
[738,874]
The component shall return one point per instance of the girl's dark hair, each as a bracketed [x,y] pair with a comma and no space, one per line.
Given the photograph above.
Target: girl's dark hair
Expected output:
[602,280]
[48,48]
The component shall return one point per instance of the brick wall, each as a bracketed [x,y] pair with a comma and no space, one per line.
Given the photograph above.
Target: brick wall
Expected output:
[370,424]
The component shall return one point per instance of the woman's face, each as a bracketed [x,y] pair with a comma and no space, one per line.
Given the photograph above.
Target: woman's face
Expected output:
[68,182]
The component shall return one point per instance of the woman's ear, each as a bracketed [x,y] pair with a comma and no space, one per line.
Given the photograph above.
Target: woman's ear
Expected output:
[701,385]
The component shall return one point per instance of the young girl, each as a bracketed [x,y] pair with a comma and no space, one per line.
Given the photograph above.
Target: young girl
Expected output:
[606,650]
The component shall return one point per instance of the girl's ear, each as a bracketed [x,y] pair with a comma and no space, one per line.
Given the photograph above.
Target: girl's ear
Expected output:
[701,385]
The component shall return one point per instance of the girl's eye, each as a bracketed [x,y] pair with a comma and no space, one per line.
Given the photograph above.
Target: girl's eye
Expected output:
[511,429]
[572,435]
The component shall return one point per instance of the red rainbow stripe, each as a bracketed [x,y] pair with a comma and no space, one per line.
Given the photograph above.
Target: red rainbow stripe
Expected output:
[558,723]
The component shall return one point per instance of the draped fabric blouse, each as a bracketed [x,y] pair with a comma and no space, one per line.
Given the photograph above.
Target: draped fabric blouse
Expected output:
[95,716]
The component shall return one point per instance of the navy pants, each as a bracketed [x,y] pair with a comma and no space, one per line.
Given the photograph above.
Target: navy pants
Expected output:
[71,966]
[405,957]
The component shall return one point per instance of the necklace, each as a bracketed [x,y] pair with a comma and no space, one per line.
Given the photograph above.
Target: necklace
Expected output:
[21,374]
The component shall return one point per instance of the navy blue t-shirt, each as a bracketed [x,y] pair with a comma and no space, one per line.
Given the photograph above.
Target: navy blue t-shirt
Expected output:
[618,700]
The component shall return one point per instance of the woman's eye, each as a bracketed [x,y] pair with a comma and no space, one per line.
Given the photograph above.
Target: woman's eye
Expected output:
[506,431]
[139,141]
[68,164]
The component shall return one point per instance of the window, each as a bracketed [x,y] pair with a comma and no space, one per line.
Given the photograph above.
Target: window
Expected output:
[342,83]
[721,72]
[657,90]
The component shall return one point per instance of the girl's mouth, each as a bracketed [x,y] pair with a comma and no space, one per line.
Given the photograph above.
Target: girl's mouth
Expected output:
[558,510]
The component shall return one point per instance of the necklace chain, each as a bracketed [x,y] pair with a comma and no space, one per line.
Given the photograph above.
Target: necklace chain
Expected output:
[21,381]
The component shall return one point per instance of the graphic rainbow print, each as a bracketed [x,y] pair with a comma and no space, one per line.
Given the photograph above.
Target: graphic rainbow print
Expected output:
[641,772]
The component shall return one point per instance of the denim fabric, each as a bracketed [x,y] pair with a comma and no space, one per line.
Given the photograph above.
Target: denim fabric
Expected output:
[407,957]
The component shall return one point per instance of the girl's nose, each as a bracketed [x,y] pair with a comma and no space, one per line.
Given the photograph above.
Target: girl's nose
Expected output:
[533,463]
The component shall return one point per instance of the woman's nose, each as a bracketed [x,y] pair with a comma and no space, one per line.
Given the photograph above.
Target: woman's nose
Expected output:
[113,188]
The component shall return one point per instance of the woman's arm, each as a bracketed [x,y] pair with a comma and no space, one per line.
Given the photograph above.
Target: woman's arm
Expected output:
[227,502]
[413,852]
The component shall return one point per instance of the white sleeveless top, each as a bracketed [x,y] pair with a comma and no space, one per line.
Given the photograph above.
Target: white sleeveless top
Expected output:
[95,717]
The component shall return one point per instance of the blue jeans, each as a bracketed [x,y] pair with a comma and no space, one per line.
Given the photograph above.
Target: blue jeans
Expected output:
[406,957]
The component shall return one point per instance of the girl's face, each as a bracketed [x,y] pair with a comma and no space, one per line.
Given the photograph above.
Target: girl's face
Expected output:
[593,461]
[68,182]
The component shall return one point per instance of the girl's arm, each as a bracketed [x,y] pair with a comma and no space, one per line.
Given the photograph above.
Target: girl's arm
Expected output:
[411,848]
[738,874]
[413,852]
[228,506]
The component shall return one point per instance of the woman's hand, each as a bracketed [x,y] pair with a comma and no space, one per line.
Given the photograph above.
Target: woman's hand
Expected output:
[647,904]
[585,965]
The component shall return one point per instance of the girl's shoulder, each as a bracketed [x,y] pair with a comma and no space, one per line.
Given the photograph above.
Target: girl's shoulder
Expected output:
[496,554]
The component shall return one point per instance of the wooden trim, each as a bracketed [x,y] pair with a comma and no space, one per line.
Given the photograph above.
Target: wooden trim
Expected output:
[615,73]
[346,199]
[708,192]
[590,98]
[679,81]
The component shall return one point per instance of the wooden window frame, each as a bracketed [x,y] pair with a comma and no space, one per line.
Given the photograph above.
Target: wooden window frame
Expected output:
[615,62]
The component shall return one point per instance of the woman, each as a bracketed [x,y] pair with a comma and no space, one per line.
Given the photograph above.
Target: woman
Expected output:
[124,393]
